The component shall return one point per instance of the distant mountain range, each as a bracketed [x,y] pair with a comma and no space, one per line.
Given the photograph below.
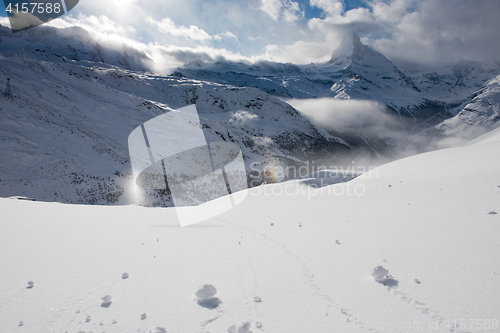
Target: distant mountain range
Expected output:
[75,102]
[422,99]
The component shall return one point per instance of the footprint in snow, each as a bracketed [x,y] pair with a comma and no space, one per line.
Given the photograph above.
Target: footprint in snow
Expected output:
[382,276]
[161,330]
[257,299]
[143,316]
[206,297]
[243,328]
[125,276]
[207,290]
[31,284]
[209,302]
[492,213]
[106,301]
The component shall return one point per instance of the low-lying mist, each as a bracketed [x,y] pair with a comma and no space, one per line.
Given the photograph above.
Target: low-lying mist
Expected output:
[368,119]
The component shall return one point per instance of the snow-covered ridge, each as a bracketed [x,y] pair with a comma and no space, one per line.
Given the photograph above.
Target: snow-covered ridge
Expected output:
[76,44]
[480,115]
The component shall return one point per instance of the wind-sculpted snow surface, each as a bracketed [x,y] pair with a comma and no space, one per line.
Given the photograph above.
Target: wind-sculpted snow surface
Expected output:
[422,224]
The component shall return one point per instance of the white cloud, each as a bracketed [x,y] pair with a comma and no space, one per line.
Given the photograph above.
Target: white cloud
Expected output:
[168,26]
[301,52]
[4,21]
[368,118]
[330,7]
[242,117]
[436,32]
[168,58]
[288,10]
[337,113]
[227,34]
[427,31]
[97,24]
[392,11]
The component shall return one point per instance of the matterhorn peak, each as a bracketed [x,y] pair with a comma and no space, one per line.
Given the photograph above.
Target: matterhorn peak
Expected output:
[351,49]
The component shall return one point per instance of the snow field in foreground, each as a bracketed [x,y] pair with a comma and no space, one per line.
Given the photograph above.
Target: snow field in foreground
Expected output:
[423,218]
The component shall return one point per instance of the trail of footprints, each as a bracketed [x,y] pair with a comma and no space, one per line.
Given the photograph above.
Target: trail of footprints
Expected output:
[310,280]
[205,297]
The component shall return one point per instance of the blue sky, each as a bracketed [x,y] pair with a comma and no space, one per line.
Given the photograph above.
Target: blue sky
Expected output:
[298,31]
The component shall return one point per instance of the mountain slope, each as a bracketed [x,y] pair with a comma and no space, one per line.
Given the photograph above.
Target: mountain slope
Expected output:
[290,258]
[479,116]
[66,127]
[455,83]
[366,74]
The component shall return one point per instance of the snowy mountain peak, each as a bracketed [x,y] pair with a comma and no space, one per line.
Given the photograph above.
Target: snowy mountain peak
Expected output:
[355,71]
[360,72]
[350,45]
[352,50]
